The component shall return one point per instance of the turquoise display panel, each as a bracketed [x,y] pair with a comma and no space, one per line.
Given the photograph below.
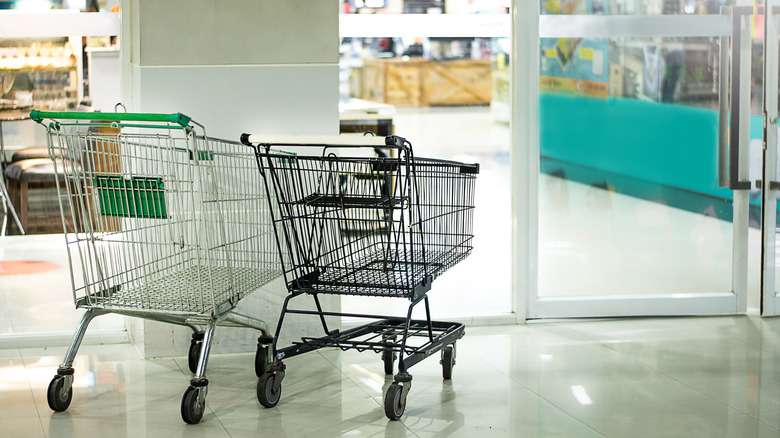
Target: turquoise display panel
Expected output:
[658,143]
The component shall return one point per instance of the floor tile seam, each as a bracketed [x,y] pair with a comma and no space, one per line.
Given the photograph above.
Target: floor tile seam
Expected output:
[344,375]
[661,372]
[535,393]
[765,423]
[755,417]
[682,382]
[207,405]
[732,409]
[216,417]
[622,354]
[32,392]
[569,414]
[744,340]
[631,358]
[727,405]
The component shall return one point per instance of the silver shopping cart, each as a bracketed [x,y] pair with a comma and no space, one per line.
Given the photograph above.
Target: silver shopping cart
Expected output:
[362,216]
[162,223]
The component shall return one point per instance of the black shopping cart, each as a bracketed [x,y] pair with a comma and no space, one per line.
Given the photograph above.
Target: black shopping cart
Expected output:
[357,215]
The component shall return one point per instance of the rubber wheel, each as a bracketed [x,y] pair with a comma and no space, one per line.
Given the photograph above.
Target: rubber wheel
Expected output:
[265,390]
[447,362]
[58,399]
[261,360]
[194,355]
[191,408]
[394,405]
[388,357]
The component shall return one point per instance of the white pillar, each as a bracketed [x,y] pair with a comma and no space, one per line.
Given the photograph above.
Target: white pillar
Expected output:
[235,66]
[525,155]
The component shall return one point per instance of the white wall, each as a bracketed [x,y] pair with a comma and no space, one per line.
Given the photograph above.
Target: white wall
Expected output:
[235,66]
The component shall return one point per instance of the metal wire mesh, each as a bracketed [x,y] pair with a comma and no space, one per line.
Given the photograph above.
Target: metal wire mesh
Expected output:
[377,226]
[165,221]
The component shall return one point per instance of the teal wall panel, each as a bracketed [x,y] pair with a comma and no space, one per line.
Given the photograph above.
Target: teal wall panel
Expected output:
[659,143]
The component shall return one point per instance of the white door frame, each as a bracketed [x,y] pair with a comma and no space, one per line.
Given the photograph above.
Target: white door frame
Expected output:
[770,303]
[528,27]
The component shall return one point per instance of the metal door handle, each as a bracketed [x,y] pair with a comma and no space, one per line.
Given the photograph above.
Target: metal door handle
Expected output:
[737,14]
[723,107]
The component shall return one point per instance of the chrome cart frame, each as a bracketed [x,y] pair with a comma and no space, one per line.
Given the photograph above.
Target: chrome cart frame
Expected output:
[163,223]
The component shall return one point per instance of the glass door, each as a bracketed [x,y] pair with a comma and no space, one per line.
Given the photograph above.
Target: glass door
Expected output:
[438,74]
[770,304]
[645,123]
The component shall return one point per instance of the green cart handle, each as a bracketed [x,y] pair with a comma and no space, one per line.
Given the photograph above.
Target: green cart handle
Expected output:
[178,118]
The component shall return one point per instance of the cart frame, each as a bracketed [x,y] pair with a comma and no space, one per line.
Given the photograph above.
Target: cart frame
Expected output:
[393,202]
[149,221]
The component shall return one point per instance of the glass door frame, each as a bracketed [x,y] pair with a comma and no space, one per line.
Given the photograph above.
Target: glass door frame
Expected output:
[528,27]
[770,301]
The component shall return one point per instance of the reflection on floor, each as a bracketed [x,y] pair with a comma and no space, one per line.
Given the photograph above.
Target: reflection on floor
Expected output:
[41,302]
[676,377]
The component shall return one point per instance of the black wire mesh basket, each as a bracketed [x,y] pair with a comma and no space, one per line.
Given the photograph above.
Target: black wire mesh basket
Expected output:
[375,226]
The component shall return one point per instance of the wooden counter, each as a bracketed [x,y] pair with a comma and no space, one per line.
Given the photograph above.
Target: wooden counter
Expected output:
[427,83]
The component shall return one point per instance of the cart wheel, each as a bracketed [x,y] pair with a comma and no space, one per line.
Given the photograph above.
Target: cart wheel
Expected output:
[192,408]
[388,357]
[58,399]
[447,362]
[395,402]
[194,355]
[262,360]
[265,390]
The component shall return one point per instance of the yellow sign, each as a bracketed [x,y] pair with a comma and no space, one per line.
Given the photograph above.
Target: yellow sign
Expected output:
[573,87]
[587,54]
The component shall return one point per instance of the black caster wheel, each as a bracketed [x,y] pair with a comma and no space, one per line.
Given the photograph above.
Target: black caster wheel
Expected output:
[395,401]
[192,408]
[388,357]
[262,359]
[266,394]
[58,398]
[194,354]
[447,361]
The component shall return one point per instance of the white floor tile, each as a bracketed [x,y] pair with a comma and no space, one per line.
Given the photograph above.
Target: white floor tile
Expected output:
[662,377]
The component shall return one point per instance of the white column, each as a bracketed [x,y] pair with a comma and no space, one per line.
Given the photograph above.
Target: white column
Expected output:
[235,66]
[525,155]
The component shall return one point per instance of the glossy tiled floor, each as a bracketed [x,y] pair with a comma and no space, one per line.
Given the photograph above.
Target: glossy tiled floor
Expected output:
[684,377]
[681,377]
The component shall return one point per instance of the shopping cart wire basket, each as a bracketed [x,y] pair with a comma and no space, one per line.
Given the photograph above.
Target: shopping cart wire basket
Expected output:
[356,215]
[163,223]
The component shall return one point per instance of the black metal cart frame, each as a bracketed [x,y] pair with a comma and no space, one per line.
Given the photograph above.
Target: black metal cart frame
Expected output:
[349,222]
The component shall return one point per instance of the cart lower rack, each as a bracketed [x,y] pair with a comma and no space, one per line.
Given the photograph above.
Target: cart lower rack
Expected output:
[362,216]
[163,223]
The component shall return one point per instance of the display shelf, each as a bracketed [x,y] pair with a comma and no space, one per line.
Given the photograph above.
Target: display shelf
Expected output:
[428,82]
[43,73]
